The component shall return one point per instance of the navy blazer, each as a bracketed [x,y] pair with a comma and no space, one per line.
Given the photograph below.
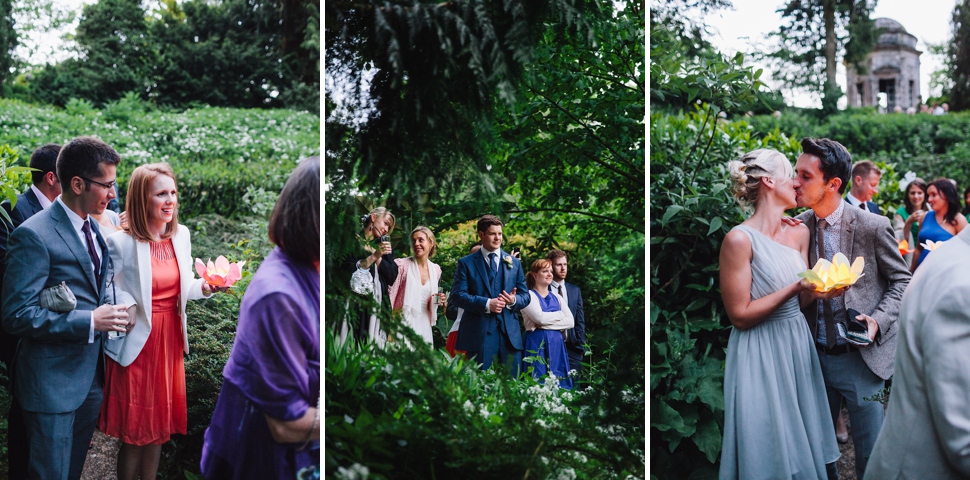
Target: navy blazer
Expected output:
[870,205]
[27,206]
[576,336]
[472,289]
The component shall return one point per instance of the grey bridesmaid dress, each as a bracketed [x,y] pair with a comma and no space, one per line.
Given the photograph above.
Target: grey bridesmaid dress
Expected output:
[777,423]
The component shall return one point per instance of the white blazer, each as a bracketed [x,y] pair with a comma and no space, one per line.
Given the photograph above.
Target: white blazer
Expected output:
[132,263]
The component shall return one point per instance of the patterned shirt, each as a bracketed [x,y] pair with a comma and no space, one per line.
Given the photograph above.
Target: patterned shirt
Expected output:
[833,237]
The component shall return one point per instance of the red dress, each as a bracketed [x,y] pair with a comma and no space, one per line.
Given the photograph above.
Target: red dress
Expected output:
[144,403]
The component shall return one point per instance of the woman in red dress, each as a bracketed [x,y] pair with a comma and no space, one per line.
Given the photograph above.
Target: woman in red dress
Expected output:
[151,262]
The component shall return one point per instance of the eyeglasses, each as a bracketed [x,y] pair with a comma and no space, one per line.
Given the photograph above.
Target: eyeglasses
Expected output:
[109,186]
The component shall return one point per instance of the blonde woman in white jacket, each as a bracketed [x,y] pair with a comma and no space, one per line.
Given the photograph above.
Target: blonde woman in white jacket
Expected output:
[151,262]
[545,320]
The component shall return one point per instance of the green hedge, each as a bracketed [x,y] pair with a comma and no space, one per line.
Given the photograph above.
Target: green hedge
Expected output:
[930,146]
[217,153]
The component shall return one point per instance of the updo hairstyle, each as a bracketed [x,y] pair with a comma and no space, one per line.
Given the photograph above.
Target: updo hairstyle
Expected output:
[747,172]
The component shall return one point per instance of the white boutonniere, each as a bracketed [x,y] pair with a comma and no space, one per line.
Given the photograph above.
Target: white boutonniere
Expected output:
[508,262]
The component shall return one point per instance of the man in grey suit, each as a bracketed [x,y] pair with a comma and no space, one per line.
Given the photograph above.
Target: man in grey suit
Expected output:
[44,189]
[927,429]
[821,174]
[58,372]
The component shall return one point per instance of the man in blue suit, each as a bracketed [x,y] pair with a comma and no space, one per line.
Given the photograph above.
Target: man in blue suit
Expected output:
[865,184]
[58,374]
[576,336]
[490,287]
[44,190]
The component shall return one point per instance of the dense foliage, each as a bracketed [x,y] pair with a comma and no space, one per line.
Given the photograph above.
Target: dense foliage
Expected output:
[398,413]
[231,53]
[930,146]
[956,70]
[218,154]
[557,151]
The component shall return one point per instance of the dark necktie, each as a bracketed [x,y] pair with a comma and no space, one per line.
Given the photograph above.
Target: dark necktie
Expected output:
[492,263]
[862,205]
[560,289]
[92,252]
[826,304]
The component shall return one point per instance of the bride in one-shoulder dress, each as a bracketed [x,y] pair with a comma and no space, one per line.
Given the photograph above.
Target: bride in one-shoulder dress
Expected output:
[777,423]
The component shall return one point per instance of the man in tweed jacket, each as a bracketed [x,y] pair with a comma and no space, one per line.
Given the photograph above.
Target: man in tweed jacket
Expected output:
[821,175]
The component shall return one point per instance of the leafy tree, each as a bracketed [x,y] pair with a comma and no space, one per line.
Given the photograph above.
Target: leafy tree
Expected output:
[957,58]
[429,76]
[8,39]
[229,53]
[817,32]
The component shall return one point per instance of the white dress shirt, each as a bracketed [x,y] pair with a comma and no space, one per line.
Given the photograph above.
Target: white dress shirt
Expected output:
[78,223]
[498,261]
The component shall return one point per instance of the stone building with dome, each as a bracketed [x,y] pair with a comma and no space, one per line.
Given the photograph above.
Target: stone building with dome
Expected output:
[892,69]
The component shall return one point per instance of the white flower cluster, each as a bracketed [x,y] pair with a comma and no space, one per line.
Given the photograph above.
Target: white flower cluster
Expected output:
[548,398]
[355,472]
[567,474]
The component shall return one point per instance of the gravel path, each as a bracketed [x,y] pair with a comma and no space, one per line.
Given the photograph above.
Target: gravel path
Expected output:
[846,462]
[102,460]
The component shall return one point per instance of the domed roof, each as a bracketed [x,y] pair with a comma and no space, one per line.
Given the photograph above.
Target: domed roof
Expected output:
[890,26]
[894,35]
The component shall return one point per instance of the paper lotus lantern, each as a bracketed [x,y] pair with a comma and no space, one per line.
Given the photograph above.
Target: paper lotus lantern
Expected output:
[904,248]
[220,274]
[826,275]
[931,245]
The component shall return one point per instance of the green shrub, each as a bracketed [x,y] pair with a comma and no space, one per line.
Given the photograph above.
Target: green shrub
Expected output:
[398,413]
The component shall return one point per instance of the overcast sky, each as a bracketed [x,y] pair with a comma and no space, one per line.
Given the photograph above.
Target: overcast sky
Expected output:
[752,20]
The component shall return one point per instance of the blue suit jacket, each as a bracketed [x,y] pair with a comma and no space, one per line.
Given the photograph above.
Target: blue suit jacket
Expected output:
[472,289]
[870,205]
[27,205]
[55,364]
[576,336]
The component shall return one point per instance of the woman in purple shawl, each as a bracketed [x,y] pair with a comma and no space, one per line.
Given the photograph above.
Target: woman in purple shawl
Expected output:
[267,420]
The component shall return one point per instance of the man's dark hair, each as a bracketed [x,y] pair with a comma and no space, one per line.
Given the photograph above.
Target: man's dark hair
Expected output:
[488,221]
[836,162]
[83,157]
[554,254]
[44,159]
[294,224]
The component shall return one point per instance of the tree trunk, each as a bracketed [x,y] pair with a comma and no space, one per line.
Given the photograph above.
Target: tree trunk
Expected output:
[828,7]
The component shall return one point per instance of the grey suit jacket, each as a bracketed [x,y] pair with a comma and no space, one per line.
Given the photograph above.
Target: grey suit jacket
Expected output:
[55,365]
[926,433]
[881,287]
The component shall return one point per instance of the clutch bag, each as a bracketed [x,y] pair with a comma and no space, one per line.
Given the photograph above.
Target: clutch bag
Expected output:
[362,283]
[58,298]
